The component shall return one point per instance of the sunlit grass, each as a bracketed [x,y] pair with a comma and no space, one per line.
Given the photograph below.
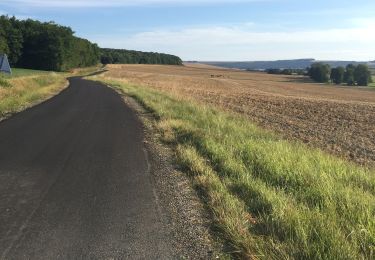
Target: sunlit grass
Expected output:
[27,88]
[373,82]
[271,198]
[18,72]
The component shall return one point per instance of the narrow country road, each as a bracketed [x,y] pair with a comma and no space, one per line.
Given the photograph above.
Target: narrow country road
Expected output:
[74,181]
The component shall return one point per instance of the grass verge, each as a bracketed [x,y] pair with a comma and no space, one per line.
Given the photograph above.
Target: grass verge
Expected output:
[87,70]
[25,87]
[18,72]
[373,82]
[270,198]
[28,88]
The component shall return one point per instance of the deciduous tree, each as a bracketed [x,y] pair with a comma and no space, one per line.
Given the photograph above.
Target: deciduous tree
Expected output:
[337,75]
[320,72]
[349,75]
[362,75]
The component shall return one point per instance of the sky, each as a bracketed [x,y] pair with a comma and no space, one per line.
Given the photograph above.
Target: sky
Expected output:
[217,30]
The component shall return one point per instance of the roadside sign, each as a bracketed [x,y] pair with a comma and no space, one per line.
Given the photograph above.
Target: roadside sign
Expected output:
[4,64]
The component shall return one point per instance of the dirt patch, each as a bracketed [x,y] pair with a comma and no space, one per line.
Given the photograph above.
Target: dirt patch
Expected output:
[340,120]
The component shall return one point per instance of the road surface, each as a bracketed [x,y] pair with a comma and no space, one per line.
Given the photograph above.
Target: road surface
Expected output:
[75,183]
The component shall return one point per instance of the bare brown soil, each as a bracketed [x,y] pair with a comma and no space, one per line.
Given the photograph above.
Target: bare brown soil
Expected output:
[340,120]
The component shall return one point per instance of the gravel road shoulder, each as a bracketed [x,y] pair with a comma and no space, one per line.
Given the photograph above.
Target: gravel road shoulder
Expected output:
[189,220]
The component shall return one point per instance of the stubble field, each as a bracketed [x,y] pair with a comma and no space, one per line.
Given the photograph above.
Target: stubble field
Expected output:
[339,120]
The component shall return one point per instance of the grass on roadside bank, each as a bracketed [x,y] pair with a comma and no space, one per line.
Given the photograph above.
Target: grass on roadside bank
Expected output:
[18,72]
[27,88]
[270,198]
[373,82]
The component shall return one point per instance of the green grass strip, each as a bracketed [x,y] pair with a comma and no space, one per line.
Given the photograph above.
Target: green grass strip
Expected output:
[271,198]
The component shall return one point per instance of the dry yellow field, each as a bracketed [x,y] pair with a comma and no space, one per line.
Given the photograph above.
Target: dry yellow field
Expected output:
[340,120]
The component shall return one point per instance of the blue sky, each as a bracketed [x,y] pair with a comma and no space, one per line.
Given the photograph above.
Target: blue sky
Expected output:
[226,30]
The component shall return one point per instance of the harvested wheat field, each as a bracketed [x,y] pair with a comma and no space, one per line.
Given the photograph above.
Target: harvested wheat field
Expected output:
[340,120]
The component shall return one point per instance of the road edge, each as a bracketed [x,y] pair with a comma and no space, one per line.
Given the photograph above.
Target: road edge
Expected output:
[186,213]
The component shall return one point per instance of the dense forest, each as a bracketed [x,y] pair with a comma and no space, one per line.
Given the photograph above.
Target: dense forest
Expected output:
[49,46]
[46,46]
[115,56]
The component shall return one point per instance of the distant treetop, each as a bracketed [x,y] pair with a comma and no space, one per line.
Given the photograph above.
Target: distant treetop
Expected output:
[120,56]
[351,75]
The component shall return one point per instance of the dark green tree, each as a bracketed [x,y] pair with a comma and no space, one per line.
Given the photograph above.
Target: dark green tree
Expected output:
[15,40]
[349,75]
[48,46]
[137,57]
[4,49]
[4,25]
[362,75]
[337,75]
[319,72]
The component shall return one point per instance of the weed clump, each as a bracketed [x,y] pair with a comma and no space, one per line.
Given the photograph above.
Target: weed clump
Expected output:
[4,82]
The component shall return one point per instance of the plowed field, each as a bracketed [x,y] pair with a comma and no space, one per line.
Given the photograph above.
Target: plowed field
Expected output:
[340,120]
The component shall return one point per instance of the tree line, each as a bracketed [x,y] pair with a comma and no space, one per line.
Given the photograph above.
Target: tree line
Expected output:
[49,46]
[286,71]
[118,56]
[44,45]
[351,75]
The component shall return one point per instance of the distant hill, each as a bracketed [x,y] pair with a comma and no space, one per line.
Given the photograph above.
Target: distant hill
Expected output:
[279,64]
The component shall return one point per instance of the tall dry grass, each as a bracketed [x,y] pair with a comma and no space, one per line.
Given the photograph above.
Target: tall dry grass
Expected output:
[270,198]
[21,92]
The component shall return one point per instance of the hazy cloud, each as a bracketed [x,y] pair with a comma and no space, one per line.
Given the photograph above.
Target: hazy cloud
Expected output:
[243,43]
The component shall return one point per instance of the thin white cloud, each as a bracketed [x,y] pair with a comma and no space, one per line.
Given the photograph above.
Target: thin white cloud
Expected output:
[229,36]
[115,3]
[244,43]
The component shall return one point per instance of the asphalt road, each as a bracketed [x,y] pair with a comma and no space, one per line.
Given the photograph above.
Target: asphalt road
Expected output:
[75,183]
